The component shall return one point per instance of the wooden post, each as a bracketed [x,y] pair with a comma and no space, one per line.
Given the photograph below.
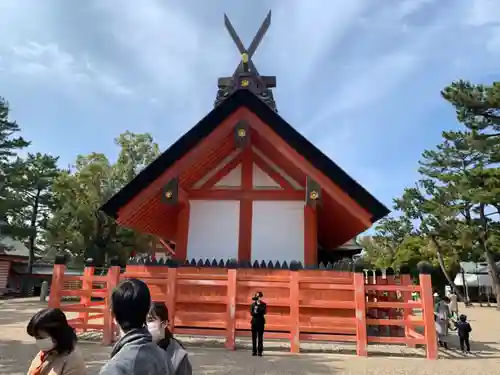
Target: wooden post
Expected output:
[88,275]
[425,269]
[109,328]
[246,208]
[310,236]
[407,313]
[171,296]
[294,311]
[56,286]
[232,276]
[181,243]
[360,305]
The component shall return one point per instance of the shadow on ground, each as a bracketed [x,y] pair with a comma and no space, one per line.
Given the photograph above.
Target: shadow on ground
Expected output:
[15,357]
[17,311]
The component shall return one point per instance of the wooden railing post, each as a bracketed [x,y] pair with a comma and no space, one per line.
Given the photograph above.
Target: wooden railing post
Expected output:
[427,300]
[360,305]
[109,328]
[232,275]
[171,295]
[407,313]
[294,310]
[88,275]
[57,283]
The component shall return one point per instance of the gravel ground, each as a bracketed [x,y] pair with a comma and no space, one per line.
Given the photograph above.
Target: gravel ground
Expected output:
[209,357]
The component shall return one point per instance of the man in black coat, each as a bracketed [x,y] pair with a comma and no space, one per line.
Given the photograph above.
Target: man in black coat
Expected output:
[258,311]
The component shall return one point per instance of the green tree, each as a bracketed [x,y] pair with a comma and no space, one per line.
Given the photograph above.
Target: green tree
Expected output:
[381,249]
[10,145]
[77,225]
[430,205]
[478,109]
[33,188]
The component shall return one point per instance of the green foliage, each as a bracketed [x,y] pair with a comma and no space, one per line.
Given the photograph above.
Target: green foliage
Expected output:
[33,182]
[77,225]
[10,144]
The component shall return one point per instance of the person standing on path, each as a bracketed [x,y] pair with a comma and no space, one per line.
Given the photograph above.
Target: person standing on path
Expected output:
[442,313]
[464,329]
[258,323]
[135,353]
[454,304]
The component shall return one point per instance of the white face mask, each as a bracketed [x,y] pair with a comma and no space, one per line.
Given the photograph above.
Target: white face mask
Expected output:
[157,331]
[45,344]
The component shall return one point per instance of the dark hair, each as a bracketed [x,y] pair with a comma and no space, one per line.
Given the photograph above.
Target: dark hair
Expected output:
[55,324]
[158,310]
[260,294]
[462,317]
[130,302]
[445,299]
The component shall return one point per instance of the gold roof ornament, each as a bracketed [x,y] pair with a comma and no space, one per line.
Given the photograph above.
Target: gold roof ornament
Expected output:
[168,194]
[242,133]
[313,195]
[244,58]
[245,82]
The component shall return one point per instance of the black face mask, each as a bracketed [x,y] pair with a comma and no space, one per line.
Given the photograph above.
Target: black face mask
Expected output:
[255,298]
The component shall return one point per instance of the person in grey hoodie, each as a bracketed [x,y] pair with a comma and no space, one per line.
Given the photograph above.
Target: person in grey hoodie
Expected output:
[174,350]
[135,353]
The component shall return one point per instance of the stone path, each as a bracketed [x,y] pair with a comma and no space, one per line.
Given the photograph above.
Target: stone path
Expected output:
[17,349]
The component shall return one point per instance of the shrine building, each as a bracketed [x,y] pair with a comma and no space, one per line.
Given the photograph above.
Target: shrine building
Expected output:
[244,184]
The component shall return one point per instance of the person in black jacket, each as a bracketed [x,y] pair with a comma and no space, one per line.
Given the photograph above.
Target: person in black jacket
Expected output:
[463,329]
[258,311]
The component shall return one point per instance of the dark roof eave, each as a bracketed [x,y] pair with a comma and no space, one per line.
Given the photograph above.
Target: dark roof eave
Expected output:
[210,122]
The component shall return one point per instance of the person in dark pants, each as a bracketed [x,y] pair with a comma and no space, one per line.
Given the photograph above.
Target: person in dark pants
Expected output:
[463,329]
[258,311]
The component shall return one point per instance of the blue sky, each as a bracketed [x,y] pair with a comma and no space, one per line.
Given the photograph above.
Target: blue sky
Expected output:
[359,78]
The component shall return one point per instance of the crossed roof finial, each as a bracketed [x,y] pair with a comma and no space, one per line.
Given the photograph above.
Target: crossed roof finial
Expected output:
[246,74]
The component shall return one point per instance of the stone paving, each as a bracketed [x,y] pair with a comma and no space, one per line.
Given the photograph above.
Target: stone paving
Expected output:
[208,357]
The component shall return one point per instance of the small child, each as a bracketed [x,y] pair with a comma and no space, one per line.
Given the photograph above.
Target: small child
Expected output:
[463,329]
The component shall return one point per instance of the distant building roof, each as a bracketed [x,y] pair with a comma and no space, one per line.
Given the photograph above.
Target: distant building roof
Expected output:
[351,245]
[477,268]
[12,247]
[42,270]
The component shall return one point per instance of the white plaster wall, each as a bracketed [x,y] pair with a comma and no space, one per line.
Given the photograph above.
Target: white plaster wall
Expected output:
[232,179]
[213,229]
[278,231]
[262,179]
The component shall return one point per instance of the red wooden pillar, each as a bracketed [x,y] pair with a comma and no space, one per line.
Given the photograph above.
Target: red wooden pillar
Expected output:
[171,297]
[360,303]
[109,327]
[181,241]
[428,310]
[310,236]
[294,311]
[88,274]
[246,208]
[231,309]
[56,285]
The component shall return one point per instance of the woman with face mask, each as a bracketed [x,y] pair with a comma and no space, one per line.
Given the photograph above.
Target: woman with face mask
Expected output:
[56,341]
[158,327]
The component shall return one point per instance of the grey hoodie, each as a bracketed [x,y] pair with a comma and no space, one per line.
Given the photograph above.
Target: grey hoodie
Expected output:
[177,355]
[136,354]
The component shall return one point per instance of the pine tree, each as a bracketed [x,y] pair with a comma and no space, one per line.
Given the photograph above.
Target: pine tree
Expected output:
[10,145]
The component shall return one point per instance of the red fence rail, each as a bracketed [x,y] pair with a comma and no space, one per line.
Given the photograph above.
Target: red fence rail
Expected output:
[303,305]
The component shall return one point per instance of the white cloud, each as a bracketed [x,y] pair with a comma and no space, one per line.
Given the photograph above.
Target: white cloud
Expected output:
[483,12]
[49,61]
[169,47]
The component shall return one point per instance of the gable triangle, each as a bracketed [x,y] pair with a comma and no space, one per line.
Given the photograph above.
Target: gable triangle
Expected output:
[261,179]
[232,179]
